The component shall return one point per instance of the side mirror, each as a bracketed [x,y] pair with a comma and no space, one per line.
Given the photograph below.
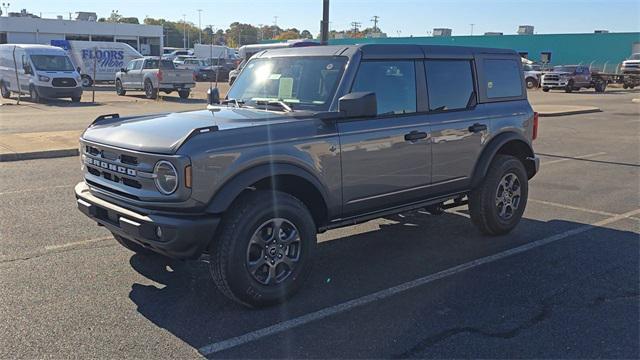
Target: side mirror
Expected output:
[213,96]
[123,70]
[358,104]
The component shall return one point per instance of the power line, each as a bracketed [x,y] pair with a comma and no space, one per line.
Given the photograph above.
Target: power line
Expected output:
[356,26]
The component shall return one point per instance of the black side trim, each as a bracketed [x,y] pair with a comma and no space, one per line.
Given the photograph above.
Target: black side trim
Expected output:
[490,150]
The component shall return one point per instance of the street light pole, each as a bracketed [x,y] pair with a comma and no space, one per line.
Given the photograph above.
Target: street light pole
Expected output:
[184,31]
[472,29]
[199,24]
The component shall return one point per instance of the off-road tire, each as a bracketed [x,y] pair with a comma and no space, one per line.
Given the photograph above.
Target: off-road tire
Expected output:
[138,249]
[228,265]
[4,90]
[184,94]
[149,91]
[482,200]
[120,89]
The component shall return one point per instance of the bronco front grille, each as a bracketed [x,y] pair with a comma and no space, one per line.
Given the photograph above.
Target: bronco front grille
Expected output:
[64,82]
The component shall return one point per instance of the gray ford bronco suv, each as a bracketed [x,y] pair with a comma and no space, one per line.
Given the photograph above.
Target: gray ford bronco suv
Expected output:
[311,139]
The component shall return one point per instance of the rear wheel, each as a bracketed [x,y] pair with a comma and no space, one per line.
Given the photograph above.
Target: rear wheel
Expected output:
[149,91]
[138,249]
[120,89]
[76,99]
[184,94]
[4,91]
[497,204]
[263,251]
[600,87]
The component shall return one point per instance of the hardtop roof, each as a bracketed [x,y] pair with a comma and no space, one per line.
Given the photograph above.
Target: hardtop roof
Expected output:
[381,51]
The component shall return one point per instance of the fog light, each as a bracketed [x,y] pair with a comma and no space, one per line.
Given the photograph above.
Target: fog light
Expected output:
[159,232]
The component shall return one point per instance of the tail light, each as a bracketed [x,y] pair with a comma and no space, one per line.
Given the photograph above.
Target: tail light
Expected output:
[160,75]
[535,126]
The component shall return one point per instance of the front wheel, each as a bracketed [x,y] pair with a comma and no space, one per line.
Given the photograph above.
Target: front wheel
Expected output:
[569,87]
[532,83]
[264,249]
[120,89]
[546,89]
[184,94]
[497,204]
[86,80]
[33,93]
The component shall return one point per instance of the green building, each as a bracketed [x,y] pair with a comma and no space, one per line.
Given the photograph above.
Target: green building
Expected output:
[596,49]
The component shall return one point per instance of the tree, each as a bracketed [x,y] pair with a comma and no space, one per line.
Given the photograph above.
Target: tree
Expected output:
[306,34]
[288,34]
[241,34]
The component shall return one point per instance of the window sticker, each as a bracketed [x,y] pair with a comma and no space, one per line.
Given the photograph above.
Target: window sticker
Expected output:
[285,89]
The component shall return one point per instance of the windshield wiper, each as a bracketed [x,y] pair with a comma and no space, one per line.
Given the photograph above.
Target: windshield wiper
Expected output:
[280,103]
[237,103]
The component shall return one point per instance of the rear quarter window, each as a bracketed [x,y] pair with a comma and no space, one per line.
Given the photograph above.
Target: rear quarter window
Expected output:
[502,78]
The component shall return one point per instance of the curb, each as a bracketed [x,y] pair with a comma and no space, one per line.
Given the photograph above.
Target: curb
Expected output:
[47,154]
[569,112]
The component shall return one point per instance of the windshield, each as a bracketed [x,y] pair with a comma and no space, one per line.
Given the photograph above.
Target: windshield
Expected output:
[568,69]
[303,83]
[52,63]
[635,57]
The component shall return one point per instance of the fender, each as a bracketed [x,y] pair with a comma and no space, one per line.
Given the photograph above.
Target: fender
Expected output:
[230,190]
[491,149]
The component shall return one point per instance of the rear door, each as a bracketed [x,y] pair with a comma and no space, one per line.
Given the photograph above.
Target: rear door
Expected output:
[386,159]
[458,131]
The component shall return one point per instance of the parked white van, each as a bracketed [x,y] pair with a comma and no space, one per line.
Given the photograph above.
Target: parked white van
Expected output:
[107,56]
[41,71]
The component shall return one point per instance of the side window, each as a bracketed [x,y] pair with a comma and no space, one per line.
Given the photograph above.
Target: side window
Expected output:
[502,78]
[131,65]
[394,83]
[138,65]
[450,84]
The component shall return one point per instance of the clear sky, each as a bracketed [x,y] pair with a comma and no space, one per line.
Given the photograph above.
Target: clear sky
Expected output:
[404,18]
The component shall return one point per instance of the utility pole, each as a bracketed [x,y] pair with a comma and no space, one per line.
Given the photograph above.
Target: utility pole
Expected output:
[375,20]
[184,31]
[472,29]
[356,26]
[324,24]
[200,25]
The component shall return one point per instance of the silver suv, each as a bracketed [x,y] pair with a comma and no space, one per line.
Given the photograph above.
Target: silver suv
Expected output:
[312,139]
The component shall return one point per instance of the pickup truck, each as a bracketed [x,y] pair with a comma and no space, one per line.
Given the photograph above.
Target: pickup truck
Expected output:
[152,74]
[572,78]
[311,139]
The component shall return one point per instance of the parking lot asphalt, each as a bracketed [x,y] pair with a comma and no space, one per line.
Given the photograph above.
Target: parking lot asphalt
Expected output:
[564,284]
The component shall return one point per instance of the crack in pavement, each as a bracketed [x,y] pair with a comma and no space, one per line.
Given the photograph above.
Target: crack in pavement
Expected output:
[543,314]
[7,260]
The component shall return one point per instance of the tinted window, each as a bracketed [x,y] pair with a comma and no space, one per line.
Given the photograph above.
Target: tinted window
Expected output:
[52,62]
[394,83]
[502,78]
[450,84]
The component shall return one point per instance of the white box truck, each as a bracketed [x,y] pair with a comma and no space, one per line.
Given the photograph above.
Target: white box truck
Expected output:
[108,57]
[38,70]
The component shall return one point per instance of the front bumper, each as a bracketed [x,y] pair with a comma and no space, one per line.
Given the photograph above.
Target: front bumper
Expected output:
[630,69]
[554,84]
[183,237]
[59,92]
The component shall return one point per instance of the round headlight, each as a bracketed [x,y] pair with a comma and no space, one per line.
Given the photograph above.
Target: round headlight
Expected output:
[166,177]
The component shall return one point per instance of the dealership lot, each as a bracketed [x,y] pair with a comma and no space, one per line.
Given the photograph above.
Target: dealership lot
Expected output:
[564,282]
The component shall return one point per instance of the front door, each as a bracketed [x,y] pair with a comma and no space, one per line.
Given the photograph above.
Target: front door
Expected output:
[386,160]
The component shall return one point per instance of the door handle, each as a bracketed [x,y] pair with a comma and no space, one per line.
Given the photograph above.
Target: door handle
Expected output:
[415,136]
[477,128]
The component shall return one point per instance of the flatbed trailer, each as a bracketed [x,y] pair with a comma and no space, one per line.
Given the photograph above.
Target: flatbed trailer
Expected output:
[601,80]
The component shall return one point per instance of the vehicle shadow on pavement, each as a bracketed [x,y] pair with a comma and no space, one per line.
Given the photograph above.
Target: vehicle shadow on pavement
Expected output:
[54,102]
[170,98]
[187,304]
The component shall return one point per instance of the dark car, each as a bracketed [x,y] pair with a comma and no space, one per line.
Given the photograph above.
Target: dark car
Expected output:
[312,139]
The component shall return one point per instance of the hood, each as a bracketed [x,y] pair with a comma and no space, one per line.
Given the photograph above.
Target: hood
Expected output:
[165,133]
[627,62]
